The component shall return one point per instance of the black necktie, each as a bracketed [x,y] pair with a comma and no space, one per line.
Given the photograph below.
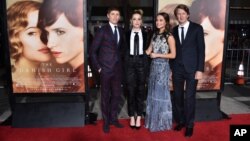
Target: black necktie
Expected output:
[115,35]
[182,35]
[136,44]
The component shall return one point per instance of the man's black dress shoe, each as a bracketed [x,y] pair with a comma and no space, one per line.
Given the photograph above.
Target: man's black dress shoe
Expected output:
[189,132]
[117,124]
[106,128]
[178,127]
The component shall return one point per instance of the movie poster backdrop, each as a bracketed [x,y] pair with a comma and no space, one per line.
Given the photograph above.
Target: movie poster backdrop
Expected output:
[46,45]
[211,14]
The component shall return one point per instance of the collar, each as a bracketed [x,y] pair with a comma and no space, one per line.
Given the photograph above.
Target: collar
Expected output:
[185,25]
[112,25]
[139,31]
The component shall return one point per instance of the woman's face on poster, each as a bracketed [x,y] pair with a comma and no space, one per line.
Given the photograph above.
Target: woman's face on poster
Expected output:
[64,40]
[214,40]
[33,48]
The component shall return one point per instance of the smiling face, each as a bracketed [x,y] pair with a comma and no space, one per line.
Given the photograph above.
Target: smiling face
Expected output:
[65,41]
[33,48]
[160,23]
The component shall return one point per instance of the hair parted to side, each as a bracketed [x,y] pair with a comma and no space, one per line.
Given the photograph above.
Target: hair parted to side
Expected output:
[110,9]
[17,20]
[215,12]
[166,18]
[183,7]
[139,12]
[167,26]
[51,10]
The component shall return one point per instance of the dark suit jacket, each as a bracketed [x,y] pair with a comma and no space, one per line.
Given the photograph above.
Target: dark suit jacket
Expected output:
[192,49]
[105,53]
[146,41]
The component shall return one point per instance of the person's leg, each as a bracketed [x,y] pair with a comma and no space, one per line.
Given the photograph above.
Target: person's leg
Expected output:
[131,85]
[116,92]
[190,100]
[140,73]
[105,98]
[178,97]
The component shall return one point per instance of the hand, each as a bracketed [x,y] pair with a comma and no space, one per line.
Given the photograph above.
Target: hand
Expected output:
[100,70]
[198,75]
[153,55]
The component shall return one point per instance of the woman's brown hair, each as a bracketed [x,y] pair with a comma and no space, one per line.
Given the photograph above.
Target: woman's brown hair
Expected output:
[17,19]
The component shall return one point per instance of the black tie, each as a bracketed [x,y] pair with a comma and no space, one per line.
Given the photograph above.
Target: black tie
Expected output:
[115,35]
[182,35]
[136,44]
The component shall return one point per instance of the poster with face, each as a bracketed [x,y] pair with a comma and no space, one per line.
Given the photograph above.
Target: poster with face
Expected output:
[46,45]
[211,14]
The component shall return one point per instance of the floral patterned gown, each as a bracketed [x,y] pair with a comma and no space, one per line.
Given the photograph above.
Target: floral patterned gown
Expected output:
[158,105]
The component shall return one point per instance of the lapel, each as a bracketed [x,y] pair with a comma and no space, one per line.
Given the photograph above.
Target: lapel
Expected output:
[177,34]
[120,35]
[110,31]
[189,32]
[128,39]
[144,38]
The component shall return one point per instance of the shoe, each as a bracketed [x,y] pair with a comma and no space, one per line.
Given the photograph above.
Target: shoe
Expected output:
[106,128]
[178,127]
[189,132]
[132,126]
[138,123]
[137,127]
[117,124]
[132,120]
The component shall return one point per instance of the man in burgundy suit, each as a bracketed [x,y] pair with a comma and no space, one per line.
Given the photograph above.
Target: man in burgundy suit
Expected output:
[106,57]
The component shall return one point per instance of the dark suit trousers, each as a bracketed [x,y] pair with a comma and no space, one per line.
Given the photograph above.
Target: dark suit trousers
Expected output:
[136,85]
[184,105]
[110,94]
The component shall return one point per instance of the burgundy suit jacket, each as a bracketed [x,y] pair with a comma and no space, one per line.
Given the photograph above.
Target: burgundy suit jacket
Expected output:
[105,53]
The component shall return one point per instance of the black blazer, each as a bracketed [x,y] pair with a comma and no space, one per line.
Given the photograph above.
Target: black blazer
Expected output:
[146,41]
[105,53]
[192,49]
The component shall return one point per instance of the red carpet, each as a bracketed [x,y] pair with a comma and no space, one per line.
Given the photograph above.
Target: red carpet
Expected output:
[203,131]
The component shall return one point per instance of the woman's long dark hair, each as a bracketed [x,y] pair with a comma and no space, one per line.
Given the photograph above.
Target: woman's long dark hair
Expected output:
[167,27]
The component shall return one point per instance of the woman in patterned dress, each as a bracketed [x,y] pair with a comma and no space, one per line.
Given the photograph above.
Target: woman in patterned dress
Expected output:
[162,48]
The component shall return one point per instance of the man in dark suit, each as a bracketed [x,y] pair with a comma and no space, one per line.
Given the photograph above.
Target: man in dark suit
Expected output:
[106,57]
[187,68]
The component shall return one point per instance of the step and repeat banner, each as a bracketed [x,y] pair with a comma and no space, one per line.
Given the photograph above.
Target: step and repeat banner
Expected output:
[211,14]
[46,45]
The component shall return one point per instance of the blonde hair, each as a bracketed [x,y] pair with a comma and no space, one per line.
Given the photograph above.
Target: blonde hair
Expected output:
[17,18]
[136,11]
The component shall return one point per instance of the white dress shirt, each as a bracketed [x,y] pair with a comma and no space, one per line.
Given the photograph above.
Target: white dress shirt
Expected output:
[132,36]
[186,25]
[113,29]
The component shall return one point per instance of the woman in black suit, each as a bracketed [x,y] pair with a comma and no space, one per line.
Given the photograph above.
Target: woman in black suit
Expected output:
[136,68]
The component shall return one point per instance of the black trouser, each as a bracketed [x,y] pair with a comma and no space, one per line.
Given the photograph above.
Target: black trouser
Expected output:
[135,78]
[184,104]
